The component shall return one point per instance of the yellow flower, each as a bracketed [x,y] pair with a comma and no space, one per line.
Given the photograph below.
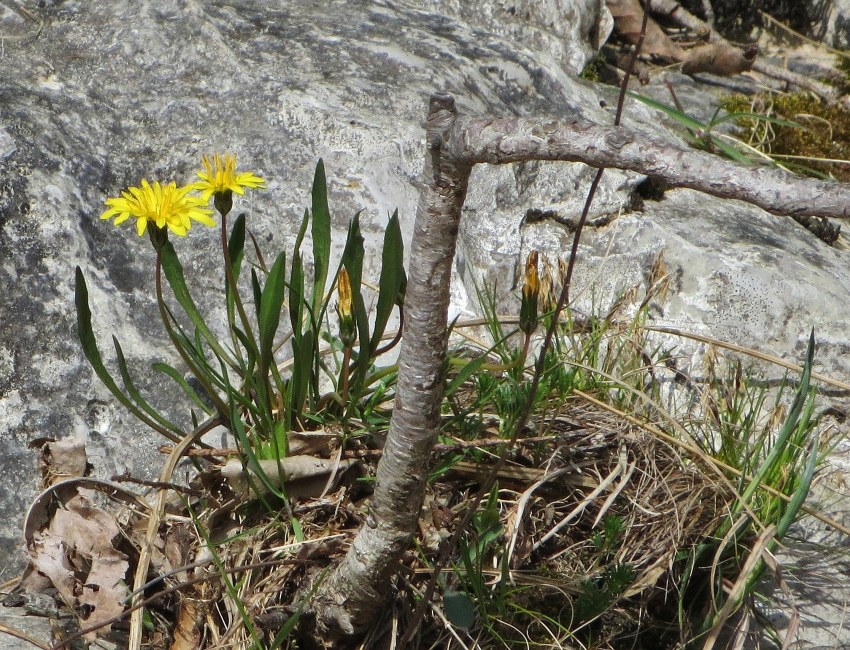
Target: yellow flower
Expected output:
[162,205]
[220,176]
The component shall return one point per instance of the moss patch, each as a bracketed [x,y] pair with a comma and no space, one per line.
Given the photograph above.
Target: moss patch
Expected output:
[822,138]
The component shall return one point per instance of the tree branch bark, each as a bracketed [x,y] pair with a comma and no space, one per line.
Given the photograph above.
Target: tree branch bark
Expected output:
[356,589]
[499,141]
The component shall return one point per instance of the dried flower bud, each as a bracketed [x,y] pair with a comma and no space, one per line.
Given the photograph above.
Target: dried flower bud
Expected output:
[530,295]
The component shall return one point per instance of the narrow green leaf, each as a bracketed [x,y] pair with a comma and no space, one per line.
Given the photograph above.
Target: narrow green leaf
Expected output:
[296,295]
[92,354]
[302,230]
[253,464]
[790,424]
[463,374]
[236,245]
[174,274]
[289,625]
[191,393]
[136,395]
[236,253]
[270,307]
[389,286]
[258,292]
[755,116]
[672,111]
[321,231]
[303,350]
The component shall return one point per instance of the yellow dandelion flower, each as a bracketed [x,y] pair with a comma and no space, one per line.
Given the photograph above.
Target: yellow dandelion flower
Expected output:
[163,205]
[219,176]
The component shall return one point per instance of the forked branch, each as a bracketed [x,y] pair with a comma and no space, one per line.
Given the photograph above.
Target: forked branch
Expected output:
[355,591]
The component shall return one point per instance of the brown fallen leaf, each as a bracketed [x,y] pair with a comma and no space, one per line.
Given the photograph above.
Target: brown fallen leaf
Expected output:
[628,18]
[303,476]
[720,58]
[717,57]
[76,553]
[61,459]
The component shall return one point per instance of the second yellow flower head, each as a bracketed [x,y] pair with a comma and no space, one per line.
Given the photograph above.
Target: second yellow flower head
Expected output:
[220,176]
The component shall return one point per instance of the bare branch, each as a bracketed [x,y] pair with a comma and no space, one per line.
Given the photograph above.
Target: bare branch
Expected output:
[499,141]
[350,596]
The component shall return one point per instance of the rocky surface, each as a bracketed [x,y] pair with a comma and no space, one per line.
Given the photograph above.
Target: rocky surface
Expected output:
[106,93]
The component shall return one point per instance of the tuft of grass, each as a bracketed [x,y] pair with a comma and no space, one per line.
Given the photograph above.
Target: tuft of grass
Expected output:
[818,146]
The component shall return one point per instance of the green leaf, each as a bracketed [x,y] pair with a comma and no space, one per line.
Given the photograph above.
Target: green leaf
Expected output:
[463,374]
[258,292]
[191,393]
[271,304]
[460,610]
[389,286]
[296,295]
[672,111]
[321,231]
[136,395]
[302,230]
[303,350]
[236,252]
[236,245]
[90,350]
[790,424]
[728,117]
[176,279]
[253,464]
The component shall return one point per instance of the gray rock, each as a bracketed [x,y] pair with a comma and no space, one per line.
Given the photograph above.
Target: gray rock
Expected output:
[831,22]
[109,93]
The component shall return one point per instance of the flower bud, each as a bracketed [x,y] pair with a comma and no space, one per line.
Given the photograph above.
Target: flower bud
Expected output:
[347,330]
[530,296]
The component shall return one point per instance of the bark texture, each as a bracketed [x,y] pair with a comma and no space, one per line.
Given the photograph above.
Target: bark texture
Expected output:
[352,594]
[499,141]
[355,590]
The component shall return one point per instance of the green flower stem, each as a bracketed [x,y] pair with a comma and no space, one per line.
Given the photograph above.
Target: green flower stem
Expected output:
[230,279]
[220,406]
[344,379]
